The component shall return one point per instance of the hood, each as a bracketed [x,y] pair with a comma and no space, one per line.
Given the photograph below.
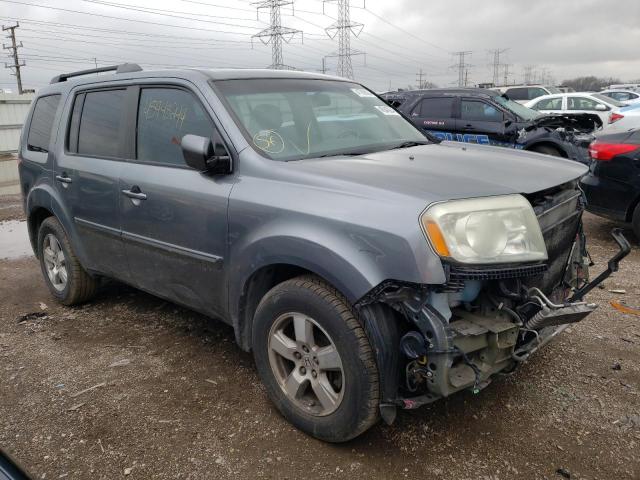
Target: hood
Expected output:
[443,171]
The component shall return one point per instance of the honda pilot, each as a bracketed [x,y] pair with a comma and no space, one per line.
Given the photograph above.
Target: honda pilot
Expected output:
[367,267]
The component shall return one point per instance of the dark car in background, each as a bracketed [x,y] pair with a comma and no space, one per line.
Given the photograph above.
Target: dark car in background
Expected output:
[612,185]
[487,117]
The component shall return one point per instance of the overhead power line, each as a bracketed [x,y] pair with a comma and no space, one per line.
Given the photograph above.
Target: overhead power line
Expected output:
[406,32]
[135,20]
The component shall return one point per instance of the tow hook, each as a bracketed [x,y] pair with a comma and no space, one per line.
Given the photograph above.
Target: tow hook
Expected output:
[612,265]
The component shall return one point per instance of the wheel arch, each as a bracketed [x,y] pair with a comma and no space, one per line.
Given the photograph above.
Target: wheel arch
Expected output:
[244,302]
[547,143]
[44,201]
[632,208]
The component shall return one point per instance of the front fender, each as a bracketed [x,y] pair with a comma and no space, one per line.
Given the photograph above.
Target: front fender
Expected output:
[354,262]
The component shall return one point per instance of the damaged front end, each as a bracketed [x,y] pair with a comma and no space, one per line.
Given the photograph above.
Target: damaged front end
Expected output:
[485,319]
[573,131]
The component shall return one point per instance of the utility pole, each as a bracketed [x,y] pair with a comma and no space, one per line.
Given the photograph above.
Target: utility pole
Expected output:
[275,34]
[462,67]
[14,53]
[496,63]
[343,27]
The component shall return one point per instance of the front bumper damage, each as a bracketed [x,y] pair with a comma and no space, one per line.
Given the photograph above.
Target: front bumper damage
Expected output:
[484,321]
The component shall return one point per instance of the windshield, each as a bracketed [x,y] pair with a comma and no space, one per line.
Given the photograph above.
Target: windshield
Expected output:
[289,119]
[608,100]
[516,108]
[554,90]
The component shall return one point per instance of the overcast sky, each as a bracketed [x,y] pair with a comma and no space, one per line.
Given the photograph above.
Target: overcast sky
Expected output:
[560,38]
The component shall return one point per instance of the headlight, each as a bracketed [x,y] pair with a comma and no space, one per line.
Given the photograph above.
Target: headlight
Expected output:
[485,230]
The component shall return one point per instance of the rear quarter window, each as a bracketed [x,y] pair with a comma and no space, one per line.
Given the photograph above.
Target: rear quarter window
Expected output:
[39,137]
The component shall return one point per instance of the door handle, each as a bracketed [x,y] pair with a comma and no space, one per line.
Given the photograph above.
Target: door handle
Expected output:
[63,178]
[135,193]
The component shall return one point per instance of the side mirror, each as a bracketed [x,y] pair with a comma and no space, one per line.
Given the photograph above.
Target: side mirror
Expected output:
[507,122]
[601,108]
[201,154]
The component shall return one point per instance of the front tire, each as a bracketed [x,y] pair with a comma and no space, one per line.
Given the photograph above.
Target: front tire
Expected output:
[68,282]
[315,360]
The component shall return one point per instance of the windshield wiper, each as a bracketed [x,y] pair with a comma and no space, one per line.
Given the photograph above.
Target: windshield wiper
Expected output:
[344,154]
[33,148]
[410,143]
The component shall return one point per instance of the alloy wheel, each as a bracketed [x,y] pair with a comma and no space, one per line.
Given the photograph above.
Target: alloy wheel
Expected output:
[55,262]
[306,364]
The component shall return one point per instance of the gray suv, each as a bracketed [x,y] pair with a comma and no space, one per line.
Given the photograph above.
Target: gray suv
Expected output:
[366,266]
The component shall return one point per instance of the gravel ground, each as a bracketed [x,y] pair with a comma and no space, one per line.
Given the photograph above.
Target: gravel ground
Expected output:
[132,386]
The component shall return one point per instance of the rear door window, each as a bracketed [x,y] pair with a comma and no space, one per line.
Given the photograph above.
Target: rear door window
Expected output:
[100,123]
[165,115]
[437,107]
[39,138]
[581,103]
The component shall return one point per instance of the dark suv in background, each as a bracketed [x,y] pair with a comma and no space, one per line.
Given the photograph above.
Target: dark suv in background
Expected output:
[366,267]
[487,117]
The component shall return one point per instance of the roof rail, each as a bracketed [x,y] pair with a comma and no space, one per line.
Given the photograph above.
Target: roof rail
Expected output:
[122,68]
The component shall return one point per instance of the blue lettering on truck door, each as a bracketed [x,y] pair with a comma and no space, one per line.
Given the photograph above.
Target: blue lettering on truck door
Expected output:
[461,137]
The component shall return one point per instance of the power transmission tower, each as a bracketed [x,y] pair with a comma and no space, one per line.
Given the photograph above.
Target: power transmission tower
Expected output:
[343,28]
[275,34]
[419,78]
[529,73]
[462,67]
[14,53]
[506,73]
[496,63]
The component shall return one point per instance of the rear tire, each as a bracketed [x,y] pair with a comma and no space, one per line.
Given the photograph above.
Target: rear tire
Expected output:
[67,281]
[296,325]
[547,150]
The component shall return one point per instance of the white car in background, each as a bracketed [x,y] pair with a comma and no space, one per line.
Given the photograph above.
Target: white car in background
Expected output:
[625,96]
[606,108]
[524,93]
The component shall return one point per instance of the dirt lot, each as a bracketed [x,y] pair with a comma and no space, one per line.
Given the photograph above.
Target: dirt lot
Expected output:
[175,398]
